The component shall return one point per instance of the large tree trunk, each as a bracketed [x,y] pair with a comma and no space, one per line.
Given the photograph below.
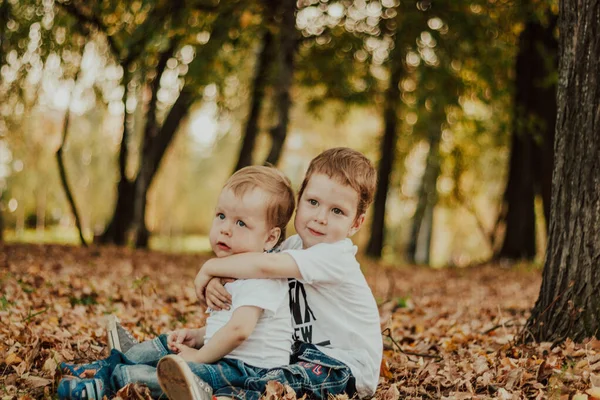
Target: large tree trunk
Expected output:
[387,149]
[531,156]
[261,73]
[568,304]
[422,223]
[283,87]
[546,60]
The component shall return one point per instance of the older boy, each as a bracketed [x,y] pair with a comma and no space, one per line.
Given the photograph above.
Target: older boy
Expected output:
[336,323]
[252,212]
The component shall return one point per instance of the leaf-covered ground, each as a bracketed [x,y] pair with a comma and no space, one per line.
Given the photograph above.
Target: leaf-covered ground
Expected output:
[449,334]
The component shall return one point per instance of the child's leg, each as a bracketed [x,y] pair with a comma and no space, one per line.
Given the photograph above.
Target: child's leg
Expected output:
[149,352]
[312,373]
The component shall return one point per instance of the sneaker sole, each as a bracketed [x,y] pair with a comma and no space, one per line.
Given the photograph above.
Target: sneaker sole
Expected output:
[178,381]
[113,334]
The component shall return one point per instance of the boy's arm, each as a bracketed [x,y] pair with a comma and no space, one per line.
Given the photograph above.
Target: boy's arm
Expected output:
[247,266]
[231,335]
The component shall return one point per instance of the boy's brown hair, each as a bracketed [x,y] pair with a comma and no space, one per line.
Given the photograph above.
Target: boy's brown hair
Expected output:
[281,203]
[348,167]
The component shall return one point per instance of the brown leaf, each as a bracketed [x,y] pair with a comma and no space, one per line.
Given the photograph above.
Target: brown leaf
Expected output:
[36,382]
[274,390]
[392,393]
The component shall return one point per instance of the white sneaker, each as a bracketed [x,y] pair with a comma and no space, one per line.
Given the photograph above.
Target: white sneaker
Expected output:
[119,338]
[179,382]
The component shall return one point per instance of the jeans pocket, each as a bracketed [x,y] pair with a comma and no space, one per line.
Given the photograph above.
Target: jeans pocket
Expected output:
[315,356]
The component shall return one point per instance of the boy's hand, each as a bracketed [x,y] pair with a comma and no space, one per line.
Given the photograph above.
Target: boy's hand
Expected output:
[201,282]
[187,353]
[185,337]
[217,297]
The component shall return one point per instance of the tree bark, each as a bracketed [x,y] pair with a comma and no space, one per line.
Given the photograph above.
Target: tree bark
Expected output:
[287,49]
[387,149]
[568,305]
[532,138]
[261,73]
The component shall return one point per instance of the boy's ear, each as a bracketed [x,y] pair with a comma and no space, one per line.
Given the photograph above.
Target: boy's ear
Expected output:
[272,238]
[358,222]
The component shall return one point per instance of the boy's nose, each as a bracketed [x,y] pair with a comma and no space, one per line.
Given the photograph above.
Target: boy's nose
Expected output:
[321,217]
[226,230]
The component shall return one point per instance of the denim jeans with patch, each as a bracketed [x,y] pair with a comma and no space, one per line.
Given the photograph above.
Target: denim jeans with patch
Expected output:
[312,373]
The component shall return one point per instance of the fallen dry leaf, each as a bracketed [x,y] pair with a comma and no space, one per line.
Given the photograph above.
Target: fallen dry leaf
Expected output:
[451,330]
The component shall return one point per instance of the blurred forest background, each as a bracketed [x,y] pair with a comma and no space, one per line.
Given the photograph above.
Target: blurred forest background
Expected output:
[145,107]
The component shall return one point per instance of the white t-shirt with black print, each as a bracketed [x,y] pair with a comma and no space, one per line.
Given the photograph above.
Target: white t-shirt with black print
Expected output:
[333,308]
[270,343]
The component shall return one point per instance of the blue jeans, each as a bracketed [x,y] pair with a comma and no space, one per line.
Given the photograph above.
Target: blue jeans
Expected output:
[138,365]
[311,372]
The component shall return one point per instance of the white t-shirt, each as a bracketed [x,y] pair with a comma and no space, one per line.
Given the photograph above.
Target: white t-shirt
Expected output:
[333,308]
[269,345]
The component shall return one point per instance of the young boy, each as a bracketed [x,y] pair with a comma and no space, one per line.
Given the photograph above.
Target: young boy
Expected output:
[252,212]
[336,322]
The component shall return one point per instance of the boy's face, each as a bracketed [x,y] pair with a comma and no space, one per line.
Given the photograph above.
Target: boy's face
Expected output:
[326,211]
[240,224]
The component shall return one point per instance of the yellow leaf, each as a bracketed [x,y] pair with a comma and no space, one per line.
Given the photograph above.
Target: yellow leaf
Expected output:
[580,396]
[12,358]
[385,370]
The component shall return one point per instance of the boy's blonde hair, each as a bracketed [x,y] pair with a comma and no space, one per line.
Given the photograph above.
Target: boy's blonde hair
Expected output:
[348,167]
[281,203]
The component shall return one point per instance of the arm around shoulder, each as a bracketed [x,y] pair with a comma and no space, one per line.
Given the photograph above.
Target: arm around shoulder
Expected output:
[253,266]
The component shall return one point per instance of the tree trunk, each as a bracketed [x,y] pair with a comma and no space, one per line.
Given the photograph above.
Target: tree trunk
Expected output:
[546,62]
[62,170]
[286,49]
[518,208]
[155,146]
[116,230]
[568,305]
[261,72]
[422,224]
[531,155]
[151,159]
[387,149]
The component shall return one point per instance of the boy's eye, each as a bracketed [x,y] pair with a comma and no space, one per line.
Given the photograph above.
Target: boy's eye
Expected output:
[240,223]
[220,215]
[313,202]
[337,211]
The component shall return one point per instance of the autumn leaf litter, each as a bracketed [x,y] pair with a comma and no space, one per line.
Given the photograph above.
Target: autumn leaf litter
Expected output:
[448,334]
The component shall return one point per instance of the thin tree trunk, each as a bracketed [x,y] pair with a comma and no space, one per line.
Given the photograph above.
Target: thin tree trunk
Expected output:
[568,305]
[116,231]
[387,149]
[287,49]
[422,224]
[261,73]
[63,173]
